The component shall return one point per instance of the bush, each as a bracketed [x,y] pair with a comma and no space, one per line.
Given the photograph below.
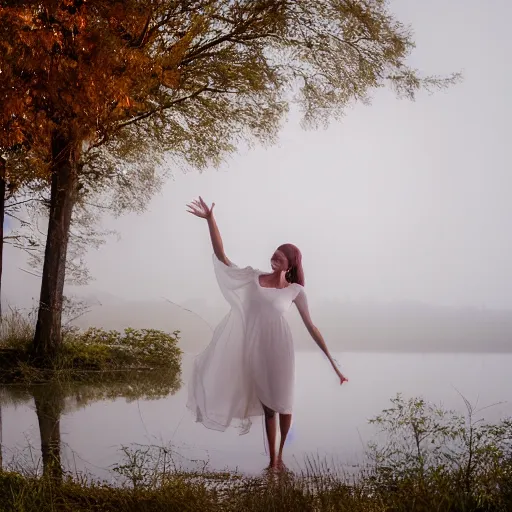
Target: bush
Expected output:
[454,461]
[83,353]
[106,350]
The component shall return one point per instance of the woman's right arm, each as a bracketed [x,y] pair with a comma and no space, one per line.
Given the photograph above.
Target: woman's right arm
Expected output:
[200,209]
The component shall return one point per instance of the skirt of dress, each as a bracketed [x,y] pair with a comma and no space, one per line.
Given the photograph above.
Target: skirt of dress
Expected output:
[270,360]
[250,359]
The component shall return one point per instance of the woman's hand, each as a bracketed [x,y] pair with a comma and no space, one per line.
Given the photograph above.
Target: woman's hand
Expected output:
[200,209]
[341,376]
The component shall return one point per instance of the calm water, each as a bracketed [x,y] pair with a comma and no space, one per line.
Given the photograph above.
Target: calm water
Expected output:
[329,419]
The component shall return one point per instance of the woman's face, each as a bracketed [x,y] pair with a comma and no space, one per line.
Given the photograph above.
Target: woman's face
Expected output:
[279,262]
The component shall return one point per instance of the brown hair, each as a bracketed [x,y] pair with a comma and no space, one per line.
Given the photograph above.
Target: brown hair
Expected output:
[295,273]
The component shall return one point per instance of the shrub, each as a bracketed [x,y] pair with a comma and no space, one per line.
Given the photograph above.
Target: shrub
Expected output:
[82,353]
[459,460]
[103,350]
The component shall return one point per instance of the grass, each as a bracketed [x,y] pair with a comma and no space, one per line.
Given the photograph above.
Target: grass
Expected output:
[428,460]
[85,355]
[313,490]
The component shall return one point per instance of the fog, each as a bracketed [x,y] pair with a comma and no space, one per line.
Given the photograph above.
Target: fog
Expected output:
[399,203]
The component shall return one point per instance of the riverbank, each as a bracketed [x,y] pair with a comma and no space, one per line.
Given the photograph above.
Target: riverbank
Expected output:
[315,490]
[86,355]
[426,458]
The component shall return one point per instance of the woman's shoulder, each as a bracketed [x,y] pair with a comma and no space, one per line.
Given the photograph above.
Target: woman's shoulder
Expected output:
[299,290]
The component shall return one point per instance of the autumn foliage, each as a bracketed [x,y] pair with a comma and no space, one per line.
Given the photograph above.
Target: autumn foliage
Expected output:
[94,93]
[78,67]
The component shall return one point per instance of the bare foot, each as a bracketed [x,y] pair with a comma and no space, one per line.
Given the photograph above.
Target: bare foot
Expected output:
[280,466]
[273,466]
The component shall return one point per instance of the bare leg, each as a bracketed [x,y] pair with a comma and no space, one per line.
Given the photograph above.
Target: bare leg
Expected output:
[271,429]
[285,420]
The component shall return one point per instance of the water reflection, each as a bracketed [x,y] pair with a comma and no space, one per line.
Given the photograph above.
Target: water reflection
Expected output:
[52,400]
[97,420]
[49,405]
[1,441]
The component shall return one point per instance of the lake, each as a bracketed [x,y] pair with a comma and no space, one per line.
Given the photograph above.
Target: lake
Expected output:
[329,420]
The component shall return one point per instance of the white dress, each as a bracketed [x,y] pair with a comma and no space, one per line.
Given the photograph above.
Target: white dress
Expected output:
[250,360]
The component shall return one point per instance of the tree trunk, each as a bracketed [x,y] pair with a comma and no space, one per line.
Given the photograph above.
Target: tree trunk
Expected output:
[48,409]
[64,185]
[2,218]
[1,441]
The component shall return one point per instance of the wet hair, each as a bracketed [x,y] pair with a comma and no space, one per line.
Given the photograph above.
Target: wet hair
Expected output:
[295,273]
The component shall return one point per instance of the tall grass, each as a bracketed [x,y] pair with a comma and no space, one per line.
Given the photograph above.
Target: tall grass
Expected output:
[16,330]
[427,459]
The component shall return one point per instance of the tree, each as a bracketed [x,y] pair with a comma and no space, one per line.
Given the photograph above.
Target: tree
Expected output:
[10,184]
[29,236]
[1,439]
[21,163]
[97,81]
[23,169]
[2,220]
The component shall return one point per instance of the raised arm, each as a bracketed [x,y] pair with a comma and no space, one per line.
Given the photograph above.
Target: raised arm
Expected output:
[301,302]
[200,209]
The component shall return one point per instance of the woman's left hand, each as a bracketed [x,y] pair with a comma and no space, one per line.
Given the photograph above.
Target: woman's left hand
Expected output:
[342,377]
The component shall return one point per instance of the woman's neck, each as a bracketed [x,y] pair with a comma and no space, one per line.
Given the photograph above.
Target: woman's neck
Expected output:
[278,278]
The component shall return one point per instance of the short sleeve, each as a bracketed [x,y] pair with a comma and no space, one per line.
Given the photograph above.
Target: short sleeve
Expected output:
[219,386]
[234,281]
[301,299]
[231,276]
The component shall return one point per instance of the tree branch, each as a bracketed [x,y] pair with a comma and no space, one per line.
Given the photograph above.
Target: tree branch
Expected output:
[145,115]
[165,106]
[13,205]
[222,39]
[21,221]
[139,42]
[28,272]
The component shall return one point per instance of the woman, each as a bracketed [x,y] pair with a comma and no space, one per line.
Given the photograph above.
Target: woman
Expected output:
[248,368]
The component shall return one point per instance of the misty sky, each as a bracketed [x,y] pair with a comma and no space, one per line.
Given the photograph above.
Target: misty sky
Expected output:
[400,201]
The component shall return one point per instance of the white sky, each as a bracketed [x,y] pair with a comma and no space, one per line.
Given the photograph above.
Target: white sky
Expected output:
[400,201]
